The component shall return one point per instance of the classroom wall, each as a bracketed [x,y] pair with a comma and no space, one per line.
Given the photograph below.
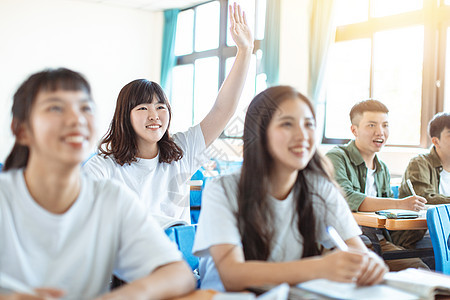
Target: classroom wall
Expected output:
[110,45]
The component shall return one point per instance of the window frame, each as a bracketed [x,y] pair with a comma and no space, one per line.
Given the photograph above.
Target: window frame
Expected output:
[436,21]
[223,51]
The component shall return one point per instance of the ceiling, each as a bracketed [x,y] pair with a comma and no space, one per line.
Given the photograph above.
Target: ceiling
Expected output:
[150,5]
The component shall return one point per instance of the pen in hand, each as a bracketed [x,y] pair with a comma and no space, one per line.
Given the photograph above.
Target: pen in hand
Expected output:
[338,241]
[408,182]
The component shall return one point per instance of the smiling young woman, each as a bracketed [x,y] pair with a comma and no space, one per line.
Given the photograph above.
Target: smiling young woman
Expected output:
[264,225]
[52,217]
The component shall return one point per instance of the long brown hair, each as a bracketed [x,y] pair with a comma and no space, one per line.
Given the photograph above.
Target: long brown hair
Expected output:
[25,97]
[255,218]
[120,140]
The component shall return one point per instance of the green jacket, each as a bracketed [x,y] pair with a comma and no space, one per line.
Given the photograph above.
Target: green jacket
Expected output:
[351,174]
[424,172]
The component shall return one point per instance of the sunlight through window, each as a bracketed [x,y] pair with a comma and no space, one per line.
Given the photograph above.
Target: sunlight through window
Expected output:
[185,35]
[207,26]
[349,79]
[397,80]
[351,11]
[381,8]
[206,81]
[182,97]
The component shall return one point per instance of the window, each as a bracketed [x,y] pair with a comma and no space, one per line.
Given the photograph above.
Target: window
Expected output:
[389,50]
[205,53]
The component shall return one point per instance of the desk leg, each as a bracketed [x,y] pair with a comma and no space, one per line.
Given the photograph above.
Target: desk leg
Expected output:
[371,234]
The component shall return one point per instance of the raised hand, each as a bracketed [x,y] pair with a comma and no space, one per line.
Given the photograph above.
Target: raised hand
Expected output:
[240,32]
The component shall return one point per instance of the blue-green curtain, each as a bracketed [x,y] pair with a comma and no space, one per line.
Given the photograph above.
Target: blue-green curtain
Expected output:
[168,48]
[271,43]
[322,35]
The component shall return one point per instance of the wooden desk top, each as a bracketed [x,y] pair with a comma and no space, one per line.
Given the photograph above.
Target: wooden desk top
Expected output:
[199,295]
[373,220]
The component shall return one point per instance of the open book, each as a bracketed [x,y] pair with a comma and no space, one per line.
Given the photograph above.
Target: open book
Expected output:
[425,284]
[406,284]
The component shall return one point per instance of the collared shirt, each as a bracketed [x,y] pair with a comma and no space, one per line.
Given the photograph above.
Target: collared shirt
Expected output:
[351,174]
[424,172]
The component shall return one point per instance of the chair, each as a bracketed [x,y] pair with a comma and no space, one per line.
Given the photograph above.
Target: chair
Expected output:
[1,167]
[184,236]
[196,204]
[394,189]
[438,221]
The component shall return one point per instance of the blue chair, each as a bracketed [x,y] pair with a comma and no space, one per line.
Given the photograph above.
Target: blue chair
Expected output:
[1,167]
[184,236]
[438,221]
[196,204]
[394,189]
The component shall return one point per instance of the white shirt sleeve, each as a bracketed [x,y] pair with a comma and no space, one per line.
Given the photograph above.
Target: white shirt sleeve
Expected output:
[217,223]
[193,145]
[99,167]
[143,245]
[334,211]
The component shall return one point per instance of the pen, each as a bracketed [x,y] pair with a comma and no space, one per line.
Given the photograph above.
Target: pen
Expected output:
[411,187]
[13,284]
[338,241]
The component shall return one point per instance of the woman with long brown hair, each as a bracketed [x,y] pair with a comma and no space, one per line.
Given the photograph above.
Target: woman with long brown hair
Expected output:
[266,224]
[139,151]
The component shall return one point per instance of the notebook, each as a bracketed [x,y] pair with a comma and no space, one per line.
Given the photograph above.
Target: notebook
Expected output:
[425,284]
[350,291]
[398,213]
[406,284]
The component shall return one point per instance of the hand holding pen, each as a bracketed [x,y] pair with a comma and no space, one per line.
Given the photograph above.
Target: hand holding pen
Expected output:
[371,266]
[413,202]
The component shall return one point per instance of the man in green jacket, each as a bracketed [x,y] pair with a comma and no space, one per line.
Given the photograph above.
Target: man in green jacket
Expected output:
[365,179]
[430,173]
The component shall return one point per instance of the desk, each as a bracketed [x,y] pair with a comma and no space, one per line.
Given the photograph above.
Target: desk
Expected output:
[198,295]
[372,223]
[371,219]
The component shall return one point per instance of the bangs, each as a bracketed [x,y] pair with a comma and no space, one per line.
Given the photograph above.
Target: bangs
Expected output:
[64,80]
[144,91]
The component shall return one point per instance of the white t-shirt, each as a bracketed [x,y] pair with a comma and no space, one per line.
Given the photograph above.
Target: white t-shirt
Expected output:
[444,183]
[371,187]
[104,231]
[161,187]
[218,224]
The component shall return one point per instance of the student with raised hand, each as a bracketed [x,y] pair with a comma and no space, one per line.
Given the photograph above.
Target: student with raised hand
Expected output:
[264,224]
[139,151]
[62,229]
[430,173]
[365,179]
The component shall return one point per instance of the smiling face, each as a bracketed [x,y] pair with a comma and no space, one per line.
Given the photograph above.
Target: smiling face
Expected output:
[371,131]
[150,122]
[291,136]
[61,127]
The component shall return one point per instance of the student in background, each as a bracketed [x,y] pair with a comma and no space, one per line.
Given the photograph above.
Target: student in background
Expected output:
[61,229]
[430,173]
[138,150]
[264,225]
[365,179]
